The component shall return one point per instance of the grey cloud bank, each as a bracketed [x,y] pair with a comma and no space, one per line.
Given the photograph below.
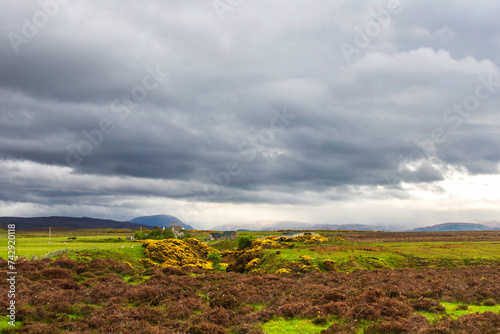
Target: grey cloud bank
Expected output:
[118,110]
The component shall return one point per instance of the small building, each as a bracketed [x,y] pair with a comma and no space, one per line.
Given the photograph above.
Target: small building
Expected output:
[229,235]
[214,236]
[130,237]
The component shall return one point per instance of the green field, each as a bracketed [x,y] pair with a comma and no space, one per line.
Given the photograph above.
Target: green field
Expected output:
[36,244]
[349,255]
[456,310]
[294,326]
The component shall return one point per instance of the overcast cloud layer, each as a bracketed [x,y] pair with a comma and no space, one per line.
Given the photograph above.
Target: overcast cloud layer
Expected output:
[380,112]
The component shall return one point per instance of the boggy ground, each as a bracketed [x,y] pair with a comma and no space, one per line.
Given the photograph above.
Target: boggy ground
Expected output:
[107,296]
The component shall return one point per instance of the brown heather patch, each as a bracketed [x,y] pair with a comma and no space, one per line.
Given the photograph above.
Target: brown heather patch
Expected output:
[51,293]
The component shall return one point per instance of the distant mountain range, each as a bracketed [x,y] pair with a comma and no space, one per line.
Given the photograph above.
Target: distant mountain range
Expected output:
[160,220]
[451,227]
[23,223]
[272,225]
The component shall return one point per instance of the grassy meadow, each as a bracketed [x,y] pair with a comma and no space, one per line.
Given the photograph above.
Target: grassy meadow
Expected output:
[36,243]
[350,254]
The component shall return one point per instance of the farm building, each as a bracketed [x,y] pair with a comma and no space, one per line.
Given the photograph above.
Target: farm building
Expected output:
[214,236]
[229,235]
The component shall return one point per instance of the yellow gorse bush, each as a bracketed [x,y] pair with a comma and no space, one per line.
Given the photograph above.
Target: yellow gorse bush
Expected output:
[329,265]
[252,263]
[258,271]
[310,239]
[283,271]
[299,267]
[307,260]
[178,253]
[272,242]
[269,242]
[305,238]
[148,263]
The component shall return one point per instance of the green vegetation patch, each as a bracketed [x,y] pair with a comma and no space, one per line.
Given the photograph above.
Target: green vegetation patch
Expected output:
[257,307]
[75,316]
[4,323]
[29,246]
[129,254]
[271,262]
[222,245]
[347,259]
[302,326]
[349,256]
[456,310]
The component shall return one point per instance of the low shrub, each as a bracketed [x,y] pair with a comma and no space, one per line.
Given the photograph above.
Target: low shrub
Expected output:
[329,265]
[53,273]
[244,241]
[427,305]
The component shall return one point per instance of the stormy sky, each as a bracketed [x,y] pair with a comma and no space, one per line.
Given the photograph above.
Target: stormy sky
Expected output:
[228,111]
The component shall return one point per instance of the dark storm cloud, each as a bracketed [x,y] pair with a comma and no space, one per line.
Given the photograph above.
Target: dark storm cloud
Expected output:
[224,85]
[478,151]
